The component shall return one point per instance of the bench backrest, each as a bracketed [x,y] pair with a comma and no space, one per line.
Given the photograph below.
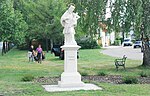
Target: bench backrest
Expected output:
[124,58]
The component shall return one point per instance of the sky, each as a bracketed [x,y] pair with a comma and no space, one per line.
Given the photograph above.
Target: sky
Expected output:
[108,12]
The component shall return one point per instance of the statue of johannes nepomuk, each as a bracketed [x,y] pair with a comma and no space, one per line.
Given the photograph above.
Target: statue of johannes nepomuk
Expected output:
[69,22]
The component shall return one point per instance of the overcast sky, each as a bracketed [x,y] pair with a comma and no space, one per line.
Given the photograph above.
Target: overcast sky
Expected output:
[108,13]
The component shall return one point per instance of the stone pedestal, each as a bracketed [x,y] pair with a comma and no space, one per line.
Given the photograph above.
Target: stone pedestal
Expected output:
[70,77]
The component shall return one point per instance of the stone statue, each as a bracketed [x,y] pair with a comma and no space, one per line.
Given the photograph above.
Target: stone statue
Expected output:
[69,21]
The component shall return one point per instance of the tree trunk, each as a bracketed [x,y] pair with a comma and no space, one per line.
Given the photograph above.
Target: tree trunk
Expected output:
[46,44]
[123,35]
[145,29]
[7,46]
[51,43]
[146,55]
[3,49]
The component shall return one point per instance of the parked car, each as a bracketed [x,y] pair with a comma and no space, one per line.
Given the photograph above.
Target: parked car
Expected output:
[58,51]
[137,44]
[62,54]
[127,42]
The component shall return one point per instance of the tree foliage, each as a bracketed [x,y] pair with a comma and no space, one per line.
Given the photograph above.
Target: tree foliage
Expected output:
[43,19]
[6,20]
[91,12]
[20,28]
[136,14]
[12,25]
[145,29]
[24,20]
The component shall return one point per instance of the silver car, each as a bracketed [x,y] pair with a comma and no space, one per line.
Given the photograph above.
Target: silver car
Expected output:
[137,44]
[127,42]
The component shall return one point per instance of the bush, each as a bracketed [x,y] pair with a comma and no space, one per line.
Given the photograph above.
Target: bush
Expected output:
[100,73]
[117,42]
[22,46]
[142,74]
[88,44]
[27,78]
[84,73]
[133,40]
[130,80]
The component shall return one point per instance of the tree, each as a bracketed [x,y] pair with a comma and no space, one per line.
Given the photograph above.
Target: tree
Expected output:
[145,28]
[12,25]
[138,11]
[20,28]
[43,18]
[135,14]
[91,12]
[6,20]
[121,19]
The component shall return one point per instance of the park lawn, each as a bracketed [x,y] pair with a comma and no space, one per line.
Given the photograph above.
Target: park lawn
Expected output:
[14,66]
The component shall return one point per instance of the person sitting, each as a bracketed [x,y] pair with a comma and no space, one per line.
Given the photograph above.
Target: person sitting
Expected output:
[31,53]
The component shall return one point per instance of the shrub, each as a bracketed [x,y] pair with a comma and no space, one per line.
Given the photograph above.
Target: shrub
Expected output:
[22,46]
[41,77]
[84,73]
[86,81]
[130,80]
[133,41]
[88,44]
[100,73]
[27,78]
[117,42]
[142,74]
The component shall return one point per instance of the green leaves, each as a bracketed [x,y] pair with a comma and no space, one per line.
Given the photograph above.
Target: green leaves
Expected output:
[12,24]
[6,20]
[43,18]
[30,19]
[20,27]
[91,11]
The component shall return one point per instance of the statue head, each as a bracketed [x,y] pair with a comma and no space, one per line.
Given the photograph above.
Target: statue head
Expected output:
[71,8]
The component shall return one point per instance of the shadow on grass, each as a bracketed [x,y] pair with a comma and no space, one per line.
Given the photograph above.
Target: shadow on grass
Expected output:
[55,59]
[143,67]
[114,69]
[137,67]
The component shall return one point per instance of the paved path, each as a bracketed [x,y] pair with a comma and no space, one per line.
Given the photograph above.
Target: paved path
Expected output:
[119,51]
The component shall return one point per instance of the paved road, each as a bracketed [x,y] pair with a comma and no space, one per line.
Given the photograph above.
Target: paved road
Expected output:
[119,51]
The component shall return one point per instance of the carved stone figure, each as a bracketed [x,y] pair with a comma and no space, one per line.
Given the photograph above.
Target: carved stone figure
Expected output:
[69,22]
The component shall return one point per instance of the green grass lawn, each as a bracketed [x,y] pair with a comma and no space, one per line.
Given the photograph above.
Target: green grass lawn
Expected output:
[14,66]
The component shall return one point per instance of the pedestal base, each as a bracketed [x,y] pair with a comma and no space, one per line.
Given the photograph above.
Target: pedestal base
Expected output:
[70,80]
[70,77]
[56,88]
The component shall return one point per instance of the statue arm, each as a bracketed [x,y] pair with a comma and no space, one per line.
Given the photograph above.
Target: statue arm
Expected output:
[64,20]
[76,15]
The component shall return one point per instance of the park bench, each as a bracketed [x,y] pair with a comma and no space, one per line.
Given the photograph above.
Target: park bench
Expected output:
[120,62]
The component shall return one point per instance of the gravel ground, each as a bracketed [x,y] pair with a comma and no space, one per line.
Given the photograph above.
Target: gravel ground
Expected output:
[115,79]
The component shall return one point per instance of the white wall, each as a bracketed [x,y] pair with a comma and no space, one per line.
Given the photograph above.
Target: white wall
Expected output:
[112,37]
[103,38]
